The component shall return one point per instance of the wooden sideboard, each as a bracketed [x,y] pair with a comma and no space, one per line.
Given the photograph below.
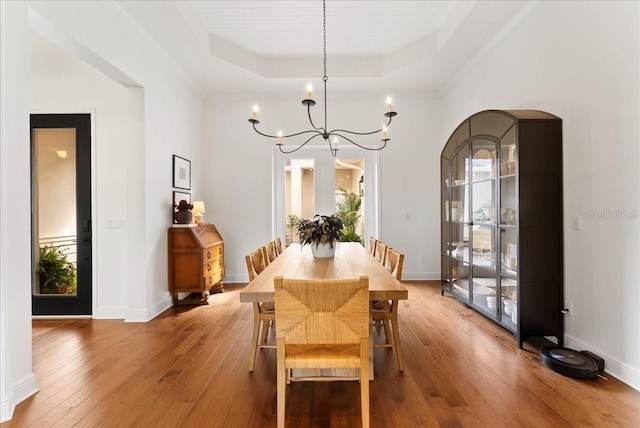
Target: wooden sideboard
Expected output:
[196,261]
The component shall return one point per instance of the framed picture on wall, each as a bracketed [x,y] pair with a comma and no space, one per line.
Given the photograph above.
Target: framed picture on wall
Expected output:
[178,196]
[181,173]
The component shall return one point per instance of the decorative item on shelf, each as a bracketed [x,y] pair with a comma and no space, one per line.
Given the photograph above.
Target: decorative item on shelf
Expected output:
[457,252]
[198,210]
[321,233]
[332,137]
[183,215]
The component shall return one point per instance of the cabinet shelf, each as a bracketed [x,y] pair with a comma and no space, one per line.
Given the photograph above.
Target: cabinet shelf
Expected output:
[513,160]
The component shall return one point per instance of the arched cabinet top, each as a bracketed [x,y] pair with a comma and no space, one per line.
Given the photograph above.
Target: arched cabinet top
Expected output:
[494,124]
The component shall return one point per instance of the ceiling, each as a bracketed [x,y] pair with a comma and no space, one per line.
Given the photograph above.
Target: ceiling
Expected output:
[259,45]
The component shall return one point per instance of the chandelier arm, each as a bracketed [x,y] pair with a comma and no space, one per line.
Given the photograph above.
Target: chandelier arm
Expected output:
[363,133]
[299,147]
[317,132]
[353,132]
[361,146]
[311,120]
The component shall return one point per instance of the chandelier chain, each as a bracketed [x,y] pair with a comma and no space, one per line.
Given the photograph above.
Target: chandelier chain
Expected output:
[324,36]
[324,132]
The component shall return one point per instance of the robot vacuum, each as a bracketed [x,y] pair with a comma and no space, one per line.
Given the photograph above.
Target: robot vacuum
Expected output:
[571,363]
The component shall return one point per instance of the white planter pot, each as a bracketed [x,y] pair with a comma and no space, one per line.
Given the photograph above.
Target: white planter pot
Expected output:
[323,250]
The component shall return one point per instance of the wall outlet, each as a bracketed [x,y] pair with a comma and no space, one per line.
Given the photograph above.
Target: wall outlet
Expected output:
[568,308]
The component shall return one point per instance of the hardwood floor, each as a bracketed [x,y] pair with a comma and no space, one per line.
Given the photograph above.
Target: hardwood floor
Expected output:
[188,368]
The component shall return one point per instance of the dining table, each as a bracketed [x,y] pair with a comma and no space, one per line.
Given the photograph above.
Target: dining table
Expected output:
[350,260]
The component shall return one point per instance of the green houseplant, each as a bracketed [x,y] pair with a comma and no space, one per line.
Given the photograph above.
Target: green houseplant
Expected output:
[57,274]
[321,230]
[348,209]
[292,221]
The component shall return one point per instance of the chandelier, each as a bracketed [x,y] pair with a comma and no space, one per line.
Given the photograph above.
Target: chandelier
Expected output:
[332,137]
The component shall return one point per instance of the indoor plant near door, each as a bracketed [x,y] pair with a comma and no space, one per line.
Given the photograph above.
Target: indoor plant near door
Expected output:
[321,233]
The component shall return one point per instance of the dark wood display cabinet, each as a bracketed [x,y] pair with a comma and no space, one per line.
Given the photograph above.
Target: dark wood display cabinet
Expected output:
[501,220]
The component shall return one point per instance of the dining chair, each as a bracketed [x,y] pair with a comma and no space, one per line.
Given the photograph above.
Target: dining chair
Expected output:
[322,324]
[372,245]
[263,312]
[269,252]
[385,312]
[278,243]
[381,252]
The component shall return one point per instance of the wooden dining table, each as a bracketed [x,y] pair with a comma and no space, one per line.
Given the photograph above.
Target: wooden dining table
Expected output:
[351,260]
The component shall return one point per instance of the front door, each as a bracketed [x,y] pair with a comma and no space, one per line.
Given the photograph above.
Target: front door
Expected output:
[61,214]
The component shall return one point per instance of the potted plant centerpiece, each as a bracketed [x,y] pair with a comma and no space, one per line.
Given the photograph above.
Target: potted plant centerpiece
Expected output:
[183,215]
[321,233]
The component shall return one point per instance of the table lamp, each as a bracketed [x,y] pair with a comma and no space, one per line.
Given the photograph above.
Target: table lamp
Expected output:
[198,210]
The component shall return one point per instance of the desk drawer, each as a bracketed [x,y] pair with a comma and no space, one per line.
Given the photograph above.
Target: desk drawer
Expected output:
[212,253]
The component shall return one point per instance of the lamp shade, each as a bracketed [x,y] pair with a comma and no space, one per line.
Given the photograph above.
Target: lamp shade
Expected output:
[198,207]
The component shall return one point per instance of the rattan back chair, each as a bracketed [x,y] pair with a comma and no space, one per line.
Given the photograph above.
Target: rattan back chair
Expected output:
[270,252]
[372,245]
[263,312]
[322,324]
[381,252]
[384,313]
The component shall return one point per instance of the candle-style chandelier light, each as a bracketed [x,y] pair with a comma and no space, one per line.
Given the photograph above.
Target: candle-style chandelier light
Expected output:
[332,137]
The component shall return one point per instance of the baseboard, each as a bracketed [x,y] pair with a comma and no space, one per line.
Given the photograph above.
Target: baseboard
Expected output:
[110,313]
[621,371]
[236,279]
[145,315]
[420,276]
[19,392]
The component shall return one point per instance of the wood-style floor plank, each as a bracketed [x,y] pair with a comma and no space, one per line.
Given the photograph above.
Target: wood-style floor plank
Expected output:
[188,368]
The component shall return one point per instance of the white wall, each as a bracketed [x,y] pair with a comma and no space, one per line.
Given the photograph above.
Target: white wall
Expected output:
[241,162]
[581,63]
[135,130]
[17,381]
[60,82]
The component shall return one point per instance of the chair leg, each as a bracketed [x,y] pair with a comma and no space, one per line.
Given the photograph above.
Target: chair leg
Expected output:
[387,332]
[396,336]
[254,343]
[281,387]
[265,332]
[364,389]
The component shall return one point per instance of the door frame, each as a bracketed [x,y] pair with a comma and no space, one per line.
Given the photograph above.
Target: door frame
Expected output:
[324,182]
[93,210]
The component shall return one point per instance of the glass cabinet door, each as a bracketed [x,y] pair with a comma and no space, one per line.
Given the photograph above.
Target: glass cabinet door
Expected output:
[508,230]
[482,234]
[457,214]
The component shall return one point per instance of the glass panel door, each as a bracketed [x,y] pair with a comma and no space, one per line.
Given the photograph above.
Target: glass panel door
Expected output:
[483,230]
[509,230]
[61,214]
[349,193]
[457,212]
[311,181]
[299,194]
[54,157]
